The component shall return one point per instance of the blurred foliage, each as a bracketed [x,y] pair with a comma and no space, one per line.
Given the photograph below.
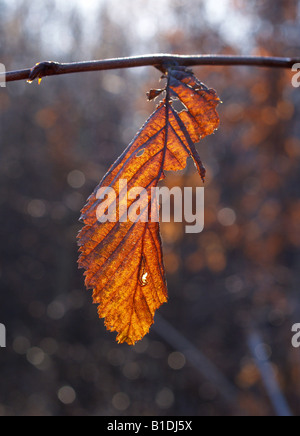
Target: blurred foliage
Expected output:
[56,142]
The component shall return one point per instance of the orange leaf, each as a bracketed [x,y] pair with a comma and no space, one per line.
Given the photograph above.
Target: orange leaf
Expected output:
[123,256]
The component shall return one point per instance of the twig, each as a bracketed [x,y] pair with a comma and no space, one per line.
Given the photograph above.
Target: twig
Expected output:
[268,375]
[197,359]
[160,61]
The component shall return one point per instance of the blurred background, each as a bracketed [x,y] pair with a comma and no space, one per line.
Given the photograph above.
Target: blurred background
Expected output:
[225,335]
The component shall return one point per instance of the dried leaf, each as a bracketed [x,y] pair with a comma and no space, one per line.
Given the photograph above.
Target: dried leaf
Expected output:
[153,93]
[123,259]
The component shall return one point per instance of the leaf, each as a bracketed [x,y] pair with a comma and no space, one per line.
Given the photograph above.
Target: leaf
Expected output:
[123,257]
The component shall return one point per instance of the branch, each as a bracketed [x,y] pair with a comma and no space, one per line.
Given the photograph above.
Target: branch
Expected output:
[197,359]
[268,375]
[160,61]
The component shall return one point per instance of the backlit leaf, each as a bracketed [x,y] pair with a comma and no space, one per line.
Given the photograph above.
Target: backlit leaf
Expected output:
[122,257]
